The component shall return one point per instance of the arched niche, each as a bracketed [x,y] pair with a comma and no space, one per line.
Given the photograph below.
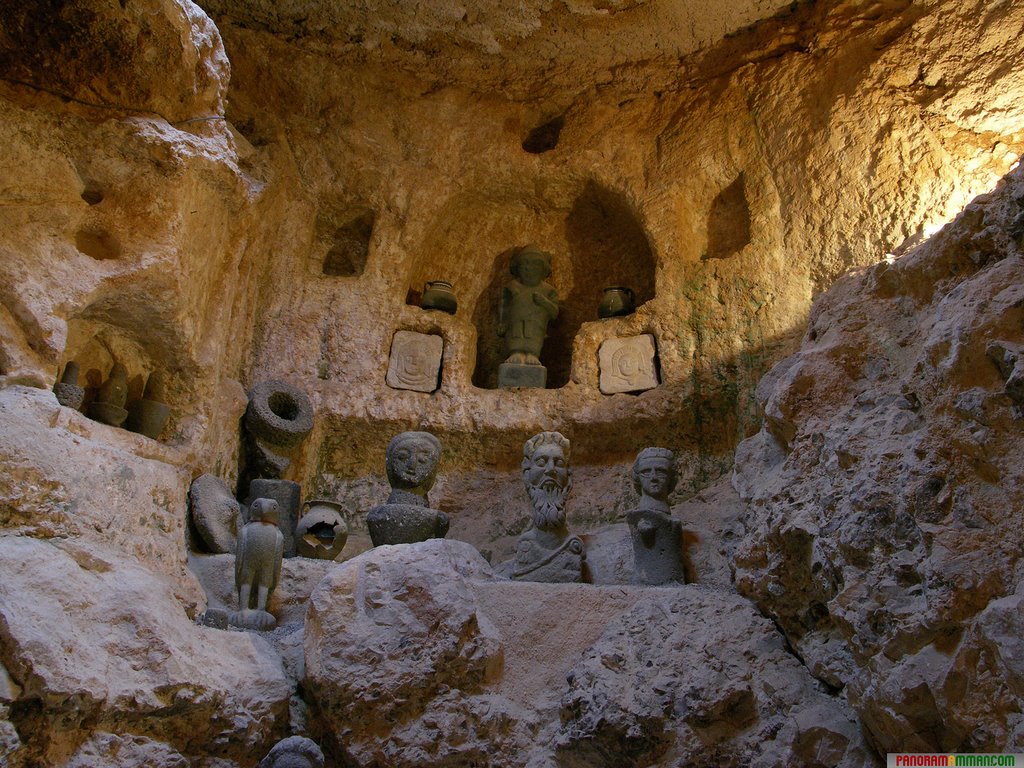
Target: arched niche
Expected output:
[606,246]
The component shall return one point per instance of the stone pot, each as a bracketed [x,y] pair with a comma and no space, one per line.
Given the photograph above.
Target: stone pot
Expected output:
[108,413]
[438,294]
[322,531]
[148,417]
[616,302]
[68,393]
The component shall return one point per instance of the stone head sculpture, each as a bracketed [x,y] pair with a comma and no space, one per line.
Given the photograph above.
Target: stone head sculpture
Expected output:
[264,511]
[294,752]
[412,461]
[547,478]
[654,476]
[531,265]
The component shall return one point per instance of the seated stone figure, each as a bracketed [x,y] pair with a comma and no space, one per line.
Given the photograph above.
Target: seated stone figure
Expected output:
[546,552]
[258,555]
[657,538]
[406,518]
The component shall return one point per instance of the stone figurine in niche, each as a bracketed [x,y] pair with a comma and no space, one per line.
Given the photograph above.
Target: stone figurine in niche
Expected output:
[547,552]
[68,393]
[257,566]
[528,304]
[657,538]
[149,415]
[322,531]
[406,518]
[109,404]
[294,752]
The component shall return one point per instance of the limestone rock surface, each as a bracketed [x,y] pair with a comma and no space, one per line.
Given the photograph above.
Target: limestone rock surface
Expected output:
[415,655]
[691,676]
[389,632]
[162,56]
[882,530]
[66,475]
[103,653]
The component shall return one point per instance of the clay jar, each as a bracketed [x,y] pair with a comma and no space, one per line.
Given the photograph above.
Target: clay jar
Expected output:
[322,532]
[68,393]
[616,302]
[438,294]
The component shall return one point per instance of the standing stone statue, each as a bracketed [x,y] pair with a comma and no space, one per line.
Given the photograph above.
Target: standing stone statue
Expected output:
[546,552]
[258,556]
[528,304]
[657,538]
[406,518]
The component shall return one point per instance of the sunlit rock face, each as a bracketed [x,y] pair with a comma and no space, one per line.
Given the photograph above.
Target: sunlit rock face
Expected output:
[239,192]
[883,530]
[726,179]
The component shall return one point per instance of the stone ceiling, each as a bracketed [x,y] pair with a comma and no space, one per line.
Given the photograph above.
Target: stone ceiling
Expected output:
[523,49]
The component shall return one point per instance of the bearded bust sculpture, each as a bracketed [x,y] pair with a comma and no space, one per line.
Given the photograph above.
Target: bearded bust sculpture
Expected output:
[547,552]
[411,462]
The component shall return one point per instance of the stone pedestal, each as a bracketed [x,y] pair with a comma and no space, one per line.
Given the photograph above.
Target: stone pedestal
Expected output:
[512,375]
[288,495]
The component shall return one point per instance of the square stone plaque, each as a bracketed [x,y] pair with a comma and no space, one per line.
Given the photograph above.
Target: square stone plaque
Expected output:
[627,364]
[415,361]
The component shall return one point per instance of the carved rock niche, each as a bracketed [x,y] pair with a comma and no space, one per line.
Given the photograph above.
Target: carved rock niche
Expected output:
[96,346]
[729,221]
[606,246]
[343,237]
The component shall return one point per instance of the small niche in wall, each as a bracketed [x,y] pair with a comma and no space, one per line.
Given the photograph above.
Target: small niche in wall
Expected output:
[606,246]
[544,137]
[729,221]
[348,245]
[93,193]
[98,244]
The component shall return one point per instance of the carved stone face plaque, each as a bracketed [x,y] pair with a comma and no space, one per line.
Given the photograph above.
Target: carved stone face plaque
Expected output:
[627,364]
[415,361]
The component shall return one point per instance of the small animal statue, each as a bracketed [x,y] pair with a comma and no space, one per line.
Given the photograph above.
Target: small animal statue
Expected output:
[258,555]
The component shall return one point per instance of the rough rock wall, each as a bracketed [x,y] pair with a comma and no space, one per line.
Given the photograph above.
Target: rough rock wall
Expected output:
[884,493]
[137,225]
[415,658]
[736,181]
[122,238]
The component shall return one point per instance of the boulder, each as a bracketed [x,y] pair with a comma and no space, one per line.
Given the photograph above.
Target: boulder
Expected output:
[96,642]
